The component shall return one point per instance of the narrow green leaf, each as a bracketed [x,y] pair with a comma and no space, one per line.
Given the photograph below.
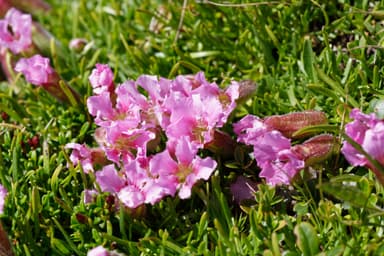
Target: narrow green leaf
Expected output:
[67,238]
[325,91]
[309,61]
[336,87]
[203,54]
[349,192]
[315,129]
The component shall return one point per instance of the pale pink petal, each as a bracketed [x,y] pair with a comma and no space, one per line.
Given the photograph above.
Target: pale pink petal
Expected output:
[101,79]
[109,180]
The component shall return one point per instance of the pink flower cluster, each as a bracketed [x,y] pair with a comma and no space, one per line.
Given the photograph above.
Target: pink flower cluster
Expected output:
[271,149]
[368,131]
[151,131]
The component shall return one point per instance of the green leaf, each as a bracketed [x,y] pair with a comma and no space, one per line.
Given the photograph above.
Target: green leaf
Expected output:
[306,239]
[309,61]
[315,129]
[349,191]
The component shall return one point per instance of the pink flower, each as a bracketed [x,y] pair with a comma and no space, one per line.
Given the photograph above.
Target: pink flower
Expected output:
[89,195]
[357,130]
[249,128]
[282,169]
[185,167]
[141,187]
[101,107]
[82,155]
[109,179]
[271,150]
[368,131]
[374,142]
[98,251]
[37,70]
[101,79]
[3,194]
[16,31]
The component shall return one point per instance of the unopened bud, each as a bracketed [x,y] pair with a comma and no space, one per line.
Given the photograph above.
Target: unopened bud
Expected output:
[288,124]
[77,44]
[247,89]
[222,144]
[316,149]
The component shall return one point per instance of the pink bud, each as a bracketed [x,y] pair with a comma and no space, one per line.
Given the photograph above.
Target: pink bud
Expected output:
[77,44]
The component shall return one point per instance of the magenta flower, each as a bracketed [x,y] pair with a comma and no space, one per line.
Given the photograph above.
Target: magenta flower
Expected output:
[109,179]
[100,106]
[101,78]
[357,130]
[271,150]
[249,128]
[89,196]
[282,169]
[98,251]
[16,31]
[82,155]
[368,131]
[3,194]
[141,187]
[37,70]
[185,167]
[374,142]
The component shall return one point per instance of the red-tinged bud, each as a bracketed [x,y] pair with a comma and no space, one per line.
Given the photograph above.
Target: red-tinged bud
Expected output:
[316,149]
[222,144]
[137,213]
[4,116]
[77,44]
[81,218]
[5,5]
[34,142]
[288,124]
[98,157]
[247,89]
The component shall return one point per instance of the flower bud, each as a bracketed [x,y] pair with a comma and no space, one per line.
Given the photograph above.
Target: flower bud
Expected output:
[77,44]
[222,144]
[316,149]
[288,124]
[247,89]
